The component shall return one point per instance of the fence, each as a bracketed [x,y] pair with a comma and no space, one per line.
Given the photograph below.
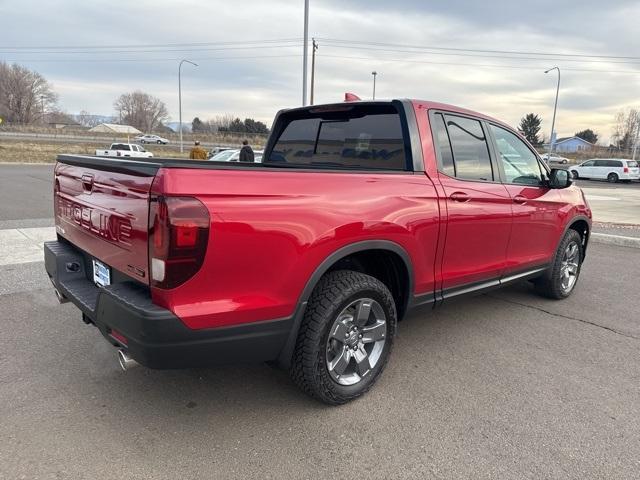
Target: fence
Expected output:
[71,134]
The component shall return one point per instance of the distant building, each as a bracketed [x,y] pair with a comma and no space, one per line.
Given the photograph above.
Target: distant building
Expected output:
[571,145]
[115,128]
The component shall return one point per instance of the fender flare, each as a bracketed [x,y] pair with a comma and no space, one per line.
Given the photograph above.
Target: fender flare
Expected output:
[573,220]
[284,359]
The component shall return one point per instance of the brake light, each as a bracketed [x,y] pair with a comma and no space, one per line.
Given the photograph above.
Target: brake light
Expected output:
[179,231]
[625,169]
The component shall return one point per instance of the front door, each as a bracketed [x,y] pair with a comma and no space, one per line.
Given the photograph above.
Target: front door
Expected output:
[478,207]
[536,207]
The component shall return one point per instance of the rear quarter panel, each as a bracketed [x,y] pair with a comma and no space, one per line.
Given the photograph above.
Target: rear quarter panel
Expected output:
[271,229]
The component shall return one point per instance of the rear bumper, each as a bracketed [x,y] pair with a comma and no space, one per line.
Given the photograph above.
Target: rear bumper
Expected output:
[155,337]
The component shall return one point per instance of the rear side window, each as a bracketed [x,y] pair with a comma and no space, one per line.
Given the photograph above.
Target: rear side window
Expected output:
[358,137]
[470,150]
[442,139]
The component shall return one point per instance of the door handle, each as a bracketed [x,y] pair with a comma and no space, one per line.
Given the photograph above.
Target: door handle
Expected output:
[519,199]
[459,197]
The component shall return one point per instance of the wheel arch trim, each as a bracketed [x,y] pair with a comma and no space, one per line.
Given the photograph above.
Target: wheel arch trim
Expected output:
[284,358]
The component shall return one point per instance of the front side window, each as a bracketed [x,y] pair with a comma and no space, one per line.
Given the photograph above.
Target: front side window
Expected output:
[519,162]
[589,163]
[470,149]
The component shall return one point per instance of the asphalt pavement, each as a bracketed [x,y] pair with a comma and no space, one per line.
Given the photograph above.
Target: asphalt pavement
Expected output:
[503,385]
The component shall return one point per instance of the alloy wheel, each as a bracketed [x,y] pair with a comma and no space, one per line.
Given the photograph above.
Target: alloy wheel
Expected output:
[569,267]
[356,341]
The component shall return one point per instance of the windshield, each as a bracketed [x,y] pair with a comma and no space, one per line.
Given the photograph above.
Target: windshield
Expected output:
[632,164]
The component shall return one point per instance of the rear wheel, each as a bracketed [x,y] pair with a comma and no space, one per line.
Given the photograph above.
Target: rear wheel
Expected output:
[612,177]
[345,337]
[561,278]
[159,142]
[575,174]
[142,141]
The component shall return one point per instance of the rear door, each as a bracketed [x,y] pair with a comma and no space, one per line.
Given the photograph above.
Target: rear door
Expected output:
[601,168]
[478,205]
[104,212]
[536,207]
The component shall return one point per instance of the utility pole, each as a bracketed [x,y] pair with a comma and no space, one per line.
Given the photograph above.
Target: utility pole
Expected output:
[180,98]
[555,107]
[42,104]
[374,73]
[305,52]
[314,48]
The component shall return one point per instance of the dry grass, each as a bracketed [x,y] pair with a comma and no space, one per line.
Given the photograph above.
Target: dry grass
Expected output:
[18,151]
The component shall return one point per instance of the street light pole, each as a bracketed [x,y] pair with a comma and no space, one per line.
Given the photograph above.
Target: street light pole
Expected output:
[305,53]
[555,107]
[180,97]
[374,73]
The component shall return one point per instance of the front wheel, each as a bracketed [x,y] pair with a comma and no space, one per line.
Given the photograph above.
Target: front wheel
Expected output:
[612,178]
[143,142]
[575,174]
[159,142]
[345,337]
[561,278]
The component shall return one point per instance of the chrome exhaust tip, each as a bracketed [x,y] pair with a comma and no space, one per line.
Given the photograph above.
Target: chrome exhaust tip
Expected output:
[61,298]
[125,361]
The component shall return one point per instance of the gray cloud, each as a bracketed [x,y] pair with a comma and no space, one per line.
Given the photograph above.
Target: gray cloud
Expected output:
[259,81]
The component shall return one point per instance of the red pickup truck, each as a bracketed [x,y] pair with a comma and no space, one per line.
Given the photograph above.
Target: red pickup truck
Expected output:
[359,212]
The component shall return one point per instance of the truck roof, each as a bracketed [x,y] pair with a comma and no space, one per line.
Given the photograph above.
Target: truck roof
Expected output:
[426,104]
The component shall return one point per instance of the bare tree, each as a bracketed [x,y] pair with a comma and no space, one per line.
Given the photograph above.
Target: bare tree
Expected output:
[25,95]
[626,129]
[221,122]
[141,110]
[85,119]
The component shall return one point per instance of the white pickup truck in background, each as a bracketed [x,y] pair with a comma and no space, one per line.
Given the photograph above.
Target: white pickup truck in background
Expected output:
[124,150]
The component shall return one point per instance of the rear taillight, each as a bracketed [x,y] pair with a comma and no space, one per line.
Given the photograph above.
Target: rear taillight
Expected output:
[625,169]
[179,233]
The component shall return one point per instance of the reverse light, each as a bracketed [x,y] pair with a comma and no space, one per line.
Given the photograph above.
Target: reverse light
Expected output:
[179,234]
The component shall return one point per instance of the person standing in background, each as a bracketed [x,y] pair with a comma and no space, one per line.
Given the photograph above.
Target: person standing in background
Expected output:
[246,152]
[197,152]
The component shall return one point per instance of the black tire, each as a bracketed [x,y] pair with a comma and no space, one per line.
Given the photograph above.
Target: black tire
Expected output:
[575,174]
[159,142]
[612,178]
[335,292]
[550,284]
[143,142]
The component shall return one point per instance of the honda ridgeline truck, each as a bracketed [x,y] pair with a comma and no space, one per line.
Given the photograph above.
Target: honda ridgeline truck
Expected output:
[360,212]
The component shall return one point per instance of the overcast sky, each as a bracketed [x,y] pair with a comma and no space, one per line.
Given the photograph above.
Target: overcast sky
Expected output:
[257,80]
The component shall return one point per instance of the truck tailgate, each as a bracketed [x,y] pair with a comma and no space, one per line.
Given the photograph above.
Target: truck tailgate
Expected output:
[103,209]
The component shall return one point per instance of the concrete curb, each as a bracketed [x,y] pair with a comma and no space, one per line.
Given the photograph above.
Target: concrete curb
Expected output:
[618,240]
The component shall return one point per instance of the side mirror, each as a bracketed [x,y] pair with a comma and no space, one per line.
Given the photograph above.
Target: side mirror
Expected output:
[559,178]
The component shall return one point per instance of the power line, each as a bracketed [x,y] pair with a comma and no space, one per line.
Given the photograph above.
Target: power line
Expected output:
[157,45]
[510,57]
[149,60]
[508,52]
[521,67]
[109,52]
